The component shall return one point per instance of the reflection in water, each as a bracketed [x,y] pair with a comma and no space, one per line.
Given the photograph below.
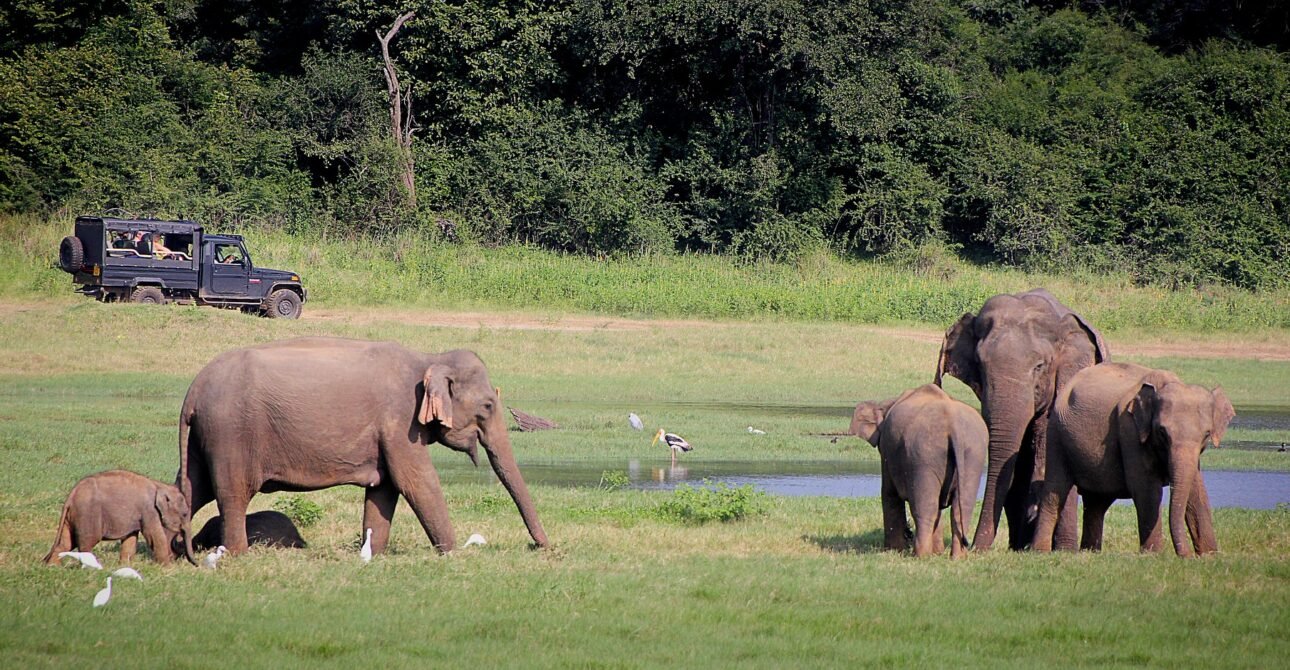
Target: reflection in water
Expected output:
[841,479]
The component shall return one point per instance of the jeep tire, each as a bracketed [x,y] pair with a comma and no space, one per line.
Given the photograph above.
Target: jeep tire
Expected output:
[283,304]
[71,254]
[148,295]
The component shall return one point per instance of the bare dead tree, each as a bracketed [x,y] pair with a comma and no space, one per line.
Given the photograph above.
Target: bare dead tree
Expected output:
[401,125]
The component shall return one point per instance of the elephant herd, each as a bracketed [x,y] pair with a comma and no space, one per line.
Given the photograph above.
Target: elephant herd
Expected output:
[1056,417]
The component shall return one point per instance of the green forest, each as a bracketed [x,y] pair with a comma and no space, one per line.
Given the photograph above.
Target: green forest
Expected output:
[1147,137]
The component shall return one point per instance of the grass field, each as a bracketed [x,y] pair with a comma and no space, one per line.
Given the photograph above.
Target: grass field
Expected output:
[86,387]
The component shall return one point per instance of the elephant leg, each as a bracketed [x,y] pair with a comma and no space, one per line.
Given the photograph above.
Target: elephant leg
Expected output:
[1147,502]
[233,510]
[894,526]
[1200,518]
[378,512]
[1017,507]
[1095,507]
[415,477]
[87,537]
[958,541]
[129,545]
[158,542]
[1067,531]
[927,527]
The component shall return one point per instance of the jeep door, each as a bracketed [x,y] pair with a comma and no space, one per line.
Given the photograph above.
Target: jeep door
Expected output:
[230,269]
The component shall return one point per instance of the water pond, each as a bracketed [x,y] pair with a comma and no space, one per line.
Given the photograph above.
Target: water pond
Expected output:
[844,479]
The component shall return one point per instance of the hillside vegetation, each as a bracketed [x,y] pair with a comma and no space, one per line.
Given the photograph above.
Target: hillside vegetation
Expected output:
[1131,137]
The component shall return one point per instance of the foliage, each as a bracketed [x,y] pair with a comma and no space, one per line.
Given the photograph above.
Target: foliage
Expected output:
[303,511]
[1048,135]
[613,480]
[713,502]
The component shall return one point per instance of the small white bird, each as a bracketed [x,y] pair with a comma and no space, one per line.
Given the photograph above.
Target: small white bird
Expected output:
[475,538]
[635,421]
[127,573]
[754,431]
[366,552]
[101,598]
[674,442]
[87,559]
[213,557]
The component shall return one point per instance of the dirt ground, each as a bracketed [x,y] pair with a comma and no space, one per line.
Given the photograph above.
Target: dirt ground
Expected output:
[1264,347]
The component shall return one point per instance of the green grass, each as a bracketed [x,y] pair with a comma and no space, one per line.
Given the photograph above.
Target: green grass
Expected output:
[935,288]
[86,387]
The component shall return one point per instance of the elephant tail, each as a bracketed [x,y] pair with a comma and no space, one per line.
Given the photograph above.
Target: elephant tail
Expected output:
[967,474]
[62,537]
[185,425]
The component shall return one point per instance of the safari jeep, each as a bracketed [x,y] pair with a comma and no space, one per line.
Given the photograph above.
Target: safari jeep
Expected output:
[158,262]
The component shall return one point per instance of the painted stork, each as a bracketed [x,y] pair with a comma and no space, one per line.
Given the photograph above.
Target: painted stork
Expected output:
[674,442]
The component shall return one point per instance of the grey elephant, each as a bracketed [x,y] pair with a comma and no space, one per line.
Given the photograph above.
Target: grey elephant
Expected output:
[269,528]
[317,412]
[121,505]
[933,450]
[1120,430]
[1016,354]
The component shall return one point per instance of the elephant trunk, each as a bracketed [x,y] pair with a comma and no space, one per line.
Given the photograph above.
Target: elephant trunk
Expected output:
[1007,429]
[502,460]
[187,531]
[1183,468]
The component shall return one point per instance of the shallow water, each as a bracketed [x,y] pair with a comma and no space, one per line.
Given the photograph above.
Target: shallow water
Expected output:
[843,479]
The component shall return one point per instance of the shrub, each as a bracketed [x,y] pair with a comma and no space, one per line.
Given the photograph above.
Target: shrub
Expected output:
[612,480]
[301,510]
[720,502]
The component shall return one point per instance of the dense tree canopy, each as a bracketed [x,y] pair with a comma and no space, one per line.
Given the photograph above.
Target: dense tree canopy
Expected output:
[1148,136]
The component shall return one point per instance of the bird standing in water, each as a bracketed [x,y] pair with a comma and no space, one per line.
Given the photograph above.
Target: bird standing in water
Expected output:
[674,442]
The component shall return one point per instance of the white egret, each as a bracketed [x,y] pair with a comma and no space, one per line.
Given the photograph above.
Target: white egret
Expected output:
[674,442]
[213,557]
[101,598]
[127,573]
[366,552]
[635,421]
[87,559]
[754,431]
[475,538]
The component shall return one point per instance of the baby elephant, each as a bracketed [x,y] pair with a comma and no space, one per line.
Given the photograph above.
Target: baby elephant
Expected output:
[1120,430]
[269,528]
[933,451]
[119,505]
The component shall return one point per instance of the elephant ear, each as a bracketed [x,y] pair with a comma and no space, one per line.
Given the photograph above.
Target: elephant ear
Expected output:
[1223,414]
[958,354]
[1079,329]
[170,506]
[1143,411]
[437,403]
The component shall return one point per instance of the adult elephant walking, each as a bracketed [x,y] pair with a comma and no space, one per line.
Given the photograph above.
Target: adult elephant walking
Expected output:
[1015,354]
[313,413]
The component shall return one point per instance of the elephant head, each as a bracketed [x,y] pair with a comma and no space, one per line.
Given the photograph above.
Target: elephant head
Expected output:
[867,417]
[172,508]
[1015,354]
[463,411]
[1174,421]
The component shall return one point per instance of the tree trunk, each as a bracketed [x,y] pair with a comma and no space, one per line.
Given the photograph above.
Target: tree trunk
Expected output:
[401,125]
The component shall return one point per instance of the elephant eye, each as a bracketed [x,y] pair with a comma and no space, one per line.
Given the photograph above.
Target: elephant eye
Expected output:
[488,406]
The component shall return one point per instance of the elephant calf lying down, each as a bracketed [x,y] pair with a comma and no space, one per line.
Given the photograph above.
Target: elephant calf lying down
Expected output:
[269,528]
[933,451]
[119,505]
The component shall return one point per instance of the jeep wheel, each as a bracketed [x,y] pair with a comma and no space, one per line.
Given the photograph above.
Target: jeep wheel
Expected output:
[148,295]
[283,304]
[71,254]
